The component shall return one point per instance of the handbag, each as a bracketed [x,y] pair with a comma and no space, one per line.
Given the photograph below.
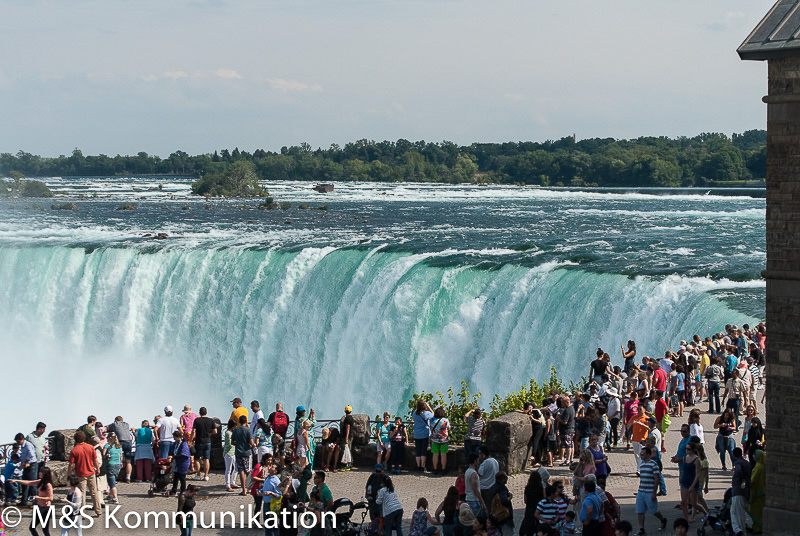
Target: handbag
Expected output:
[498,510]
[275,504]
[665,423]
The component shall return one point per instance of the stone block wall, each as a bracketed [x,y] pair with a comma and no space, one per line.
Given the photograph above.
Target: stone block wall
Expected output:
[783,296]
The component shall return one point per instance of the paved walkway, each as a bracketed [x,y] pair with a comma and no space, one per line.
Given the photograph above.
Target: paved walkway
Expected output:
[622,484]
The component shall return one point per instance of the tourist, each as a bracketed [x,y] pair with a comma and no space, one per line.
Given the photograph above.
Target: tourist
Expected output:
[83,464]
[39,442]
[180,456]
[640,426]
[186,504]
[735,393]
[271,494]
[88,429]
[229,455]
[324,492]
[99,438]
[740,492]
[646,499]
[500,505]
[600,459]
[629,355]
[630,411]
[440,431]
[330,437]
[202,430]
[279,422]
[346,434]
[474,435]
[238,411]
[262,436]
[257,478]
[727,427]
[371,491]
[422,417]
[125,437]
[472,482]
[243,445]
[43,499]
[755,439]
[614,415]
[566,420]
[29,463]
[420,519]
[678,388]
[11,471]
[757,500]
[714,374]
[487,471]
[591,511]
[382,443]
[695,428]
[112,454]
[391,508]
[255,407]
[165,430]
[449,509]
[598,367]
[690,482]
[187,422]
[102,484]
[585,466]
[551,441]
[533,494]
[74,501]
[547,508]
[143,457]
[304,453]
[680,455]
[399,439]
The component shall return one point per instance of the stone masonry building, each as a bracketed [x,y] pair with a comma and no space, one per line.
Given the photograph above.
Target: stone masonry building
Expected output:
[776,40]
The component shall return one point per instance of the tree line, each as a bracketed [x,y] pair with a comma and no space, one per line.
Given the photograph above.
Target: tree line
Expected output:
[646,161]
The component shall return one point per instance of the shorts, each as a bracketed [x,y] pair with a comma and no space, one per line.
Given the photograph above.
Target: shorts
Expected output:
[384,446]
[243,463]
[552,445]
[752,395]
[645,503]
[567,440]
[127,454]
[439,448]
[112,472]
[203,451]
[302,451]
[421,447]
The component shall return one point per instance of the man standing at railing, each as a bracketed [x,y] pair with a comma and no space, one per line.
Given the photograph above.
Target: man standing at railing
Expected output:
[30,467]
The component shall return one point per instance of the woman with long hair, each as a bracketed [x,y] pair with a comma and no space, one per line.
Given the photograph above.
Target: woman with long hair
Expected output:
[695,428]
[629,355]
[448,508]
[534,492]
[43,498]
[112,454]
[585,467]
[391,508]
[701,452]
[440,433]
[229,454]
[690,482]
[755,439]
[726,425]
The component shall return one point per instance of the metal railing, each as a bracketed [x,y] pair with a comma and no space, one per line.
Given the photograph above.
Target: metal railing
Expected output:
[7,449]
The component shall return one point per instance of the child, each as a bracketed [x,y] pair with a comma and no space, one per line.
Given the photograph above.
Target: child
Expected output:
[567,527]
[623,528]
[74,500]
[10,473]
[493,526]
[316,507]
[681,527]
[420,519]
[461,483]
[181,457]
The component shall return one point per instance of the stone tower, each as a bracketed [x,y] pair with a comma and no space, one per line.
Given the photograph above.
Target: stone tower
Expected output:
[776,39]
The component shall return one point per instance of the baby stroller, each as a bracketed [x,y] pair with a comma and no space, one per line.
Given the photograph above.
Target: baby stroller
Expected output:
[161,478]
[719,518]
[345,526]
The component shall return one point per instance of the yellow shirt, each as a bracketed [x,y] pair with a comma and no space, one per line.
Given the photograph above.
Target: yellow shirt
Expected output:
[704,362]
[235,414]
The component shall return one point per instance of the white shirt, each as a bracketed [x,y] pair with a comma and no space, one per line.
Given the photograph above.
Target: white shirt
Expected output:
[487,471]
[254,423]
[166,427]
[655,433]
[613,408]
[666,365]
[697,430]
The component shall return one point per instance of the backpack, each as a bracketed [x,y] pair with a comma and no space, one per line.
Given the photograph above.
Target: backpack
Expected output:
[498,510]
[280,423]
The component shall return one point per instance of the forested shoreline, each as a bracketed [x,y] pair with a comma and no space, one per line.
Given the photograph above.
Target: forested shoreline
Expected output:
[703,160]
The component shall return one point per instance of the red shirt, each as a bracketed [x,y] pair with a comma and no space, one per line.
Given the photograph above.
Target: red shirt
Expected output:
[661,409]
[660,379]
[84,458]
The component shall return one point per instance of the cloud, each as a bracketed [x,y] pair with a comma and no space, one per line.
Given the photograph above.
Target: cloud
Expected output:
[228,74]
[731,19]
[284,85]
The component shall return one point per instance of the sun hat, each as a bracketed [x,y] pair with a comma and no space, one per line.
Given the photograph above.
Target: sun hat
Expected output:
[187,408]
[465,515]
[612,391]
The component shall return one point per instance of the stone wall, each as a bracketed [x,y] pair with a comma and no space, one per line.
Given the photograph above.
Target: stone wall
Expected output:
[508,439]
[783,296]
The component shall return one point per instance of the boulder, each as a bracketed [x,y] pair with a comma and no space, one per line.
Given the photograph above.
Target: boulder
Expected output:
[61,443]
[217,459]
[508,439]
[59,472]
[361,429]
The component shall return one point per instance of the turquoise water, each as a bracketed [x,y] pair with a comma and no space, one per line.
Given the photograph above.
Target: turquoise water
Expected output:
[393,289]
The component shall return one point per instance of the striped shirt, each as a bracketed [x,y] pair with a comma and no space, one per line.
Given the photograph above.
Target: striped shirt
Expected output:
[754,372]
[563,505]
[548,510]
[649,477]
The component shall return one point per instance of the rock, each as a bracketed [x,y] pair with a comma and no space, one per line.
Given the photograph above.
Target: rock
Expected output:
[59,471]
[361,429]
[508,438]
[217,459]
[127,206]
[323,188]
[303,207]
[61,443]
[160,236]
[64,206]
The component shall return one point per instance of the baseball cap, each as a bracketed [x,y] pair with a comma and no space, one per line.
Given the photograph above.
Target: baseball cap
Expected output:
[235,400]
[348,408]
[379,467]
[167,409]
[300,409]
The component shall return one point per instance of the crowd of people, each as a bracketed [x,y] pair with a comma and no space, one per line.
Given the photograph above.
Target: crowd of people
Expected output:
[629,407]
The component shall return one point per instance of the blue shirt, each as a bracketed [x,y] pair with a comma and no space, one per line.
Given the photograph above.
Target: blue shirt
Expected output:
[271,484]
[27,453]
[593,500]
[421,430]
[8,471]
[682,450]
[182,455]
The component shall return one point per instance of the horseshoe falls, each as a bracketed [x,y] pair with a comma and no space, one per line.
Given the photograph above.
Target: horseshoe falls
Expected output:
[392,290]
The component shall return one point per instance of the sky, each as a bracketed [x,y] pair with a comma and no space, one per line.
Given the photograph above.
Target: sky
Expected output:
[120,77]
